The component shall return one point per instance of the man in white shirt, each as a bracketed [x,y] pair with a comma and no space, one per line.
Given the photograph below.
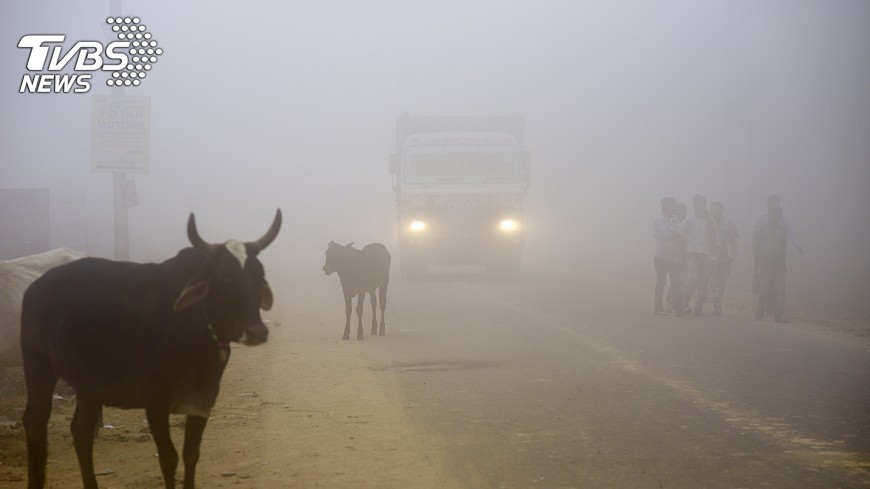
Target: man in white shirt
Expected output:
[668,232]
[700,239]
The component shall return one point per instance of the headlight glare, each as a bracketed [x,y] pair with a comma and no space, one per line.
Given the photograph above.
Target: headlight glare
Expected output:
[508,225]
[418,226]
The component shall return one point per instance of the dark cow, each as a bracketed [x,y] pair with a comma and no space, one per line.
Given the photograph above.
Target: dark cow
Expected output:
[130,335]
[360,271]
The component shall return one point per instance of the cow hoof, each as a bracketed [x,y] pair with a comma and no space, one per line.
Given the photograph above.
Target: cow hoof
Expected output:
[358,338]
[346,337]
[381,333]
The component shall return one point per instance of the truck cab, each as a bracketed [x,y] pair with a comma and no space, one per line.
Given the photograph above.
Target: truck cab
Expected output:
[460,186]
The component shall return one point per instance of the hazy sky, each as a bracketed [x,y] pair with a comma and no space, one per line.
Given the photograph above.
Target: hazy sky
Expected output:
[258,105]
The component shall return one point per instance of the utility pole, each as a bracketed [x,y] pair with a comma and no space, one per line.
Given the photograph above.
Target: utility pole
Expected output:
[119,180]
[120,124]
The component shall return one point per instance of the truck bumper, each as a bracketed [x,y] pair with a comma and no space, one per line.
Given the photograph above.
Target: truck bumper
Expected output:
[461,249]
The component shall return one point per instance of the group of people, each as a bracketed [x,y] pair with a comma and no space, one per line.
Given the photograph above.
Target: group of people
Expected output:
[695,254]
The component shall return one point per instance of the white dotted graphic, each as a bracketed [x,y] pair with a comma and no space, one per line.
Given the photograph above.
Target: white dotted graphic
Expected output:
[144,51]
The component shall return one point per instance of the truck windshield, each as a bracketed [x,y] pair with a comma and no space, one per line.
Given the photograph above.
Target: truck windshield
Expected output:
[461,163]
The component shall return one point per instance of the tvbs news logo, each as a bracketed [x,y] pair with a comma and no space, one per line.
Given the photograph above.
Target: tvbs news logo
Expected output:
[128,59]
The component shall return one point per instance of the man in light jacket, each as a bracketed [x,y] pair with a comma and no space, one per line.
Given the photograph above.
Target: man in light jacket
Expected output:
[701,237]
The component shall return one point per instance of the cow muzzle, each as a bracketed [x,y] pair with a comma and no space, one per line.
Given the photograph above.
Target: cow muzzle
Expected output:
[327,271]
[254,335]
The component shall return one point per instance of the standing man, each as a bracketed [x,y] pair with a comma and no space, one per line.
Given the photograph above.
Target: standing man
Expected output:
[700,239]
[681,263]
[668,232]
[769,248]
[724,254]
[762,220]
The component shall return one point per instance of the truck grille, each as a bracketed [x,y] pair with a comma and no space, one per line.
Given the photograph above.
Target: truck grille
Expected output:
[463,219]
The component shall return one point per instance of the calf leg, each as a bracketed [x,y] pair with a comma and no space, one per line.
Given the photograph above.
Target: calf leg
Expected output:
[382,293]
[374,300]
[158,421]
[347,308]
[83,428]
[193,428]
[383,300]
[359,310]
[40,383]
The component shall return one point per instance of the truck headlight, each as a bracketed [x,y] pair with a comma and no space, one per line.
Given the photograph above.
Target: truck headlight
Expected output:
[418,226]
[508,225]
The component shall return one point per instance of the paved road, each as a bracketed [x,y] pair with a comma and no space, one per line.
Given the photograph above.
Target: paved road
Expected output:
[560,383]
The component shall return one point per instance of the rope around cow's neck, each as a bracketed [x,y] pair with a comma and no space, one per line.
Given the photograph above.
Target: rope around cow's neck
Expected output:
[223,346]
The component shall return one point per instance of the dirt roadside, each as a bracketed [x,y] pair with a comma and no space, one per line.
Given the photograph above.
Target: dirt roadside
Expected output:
[302,411]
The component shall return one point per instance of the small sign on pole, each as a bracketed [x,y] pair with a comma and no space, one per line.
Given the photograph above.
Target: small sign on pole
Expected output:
[120,133]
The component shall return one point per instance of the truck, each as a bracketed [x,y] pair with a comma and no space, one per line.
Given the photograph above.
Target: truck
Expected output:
[460,184]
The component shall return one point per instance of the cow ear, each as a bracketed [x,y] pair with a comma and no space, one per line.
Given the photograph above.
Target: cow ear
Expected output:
[265,296]
[349,244]
[192,293]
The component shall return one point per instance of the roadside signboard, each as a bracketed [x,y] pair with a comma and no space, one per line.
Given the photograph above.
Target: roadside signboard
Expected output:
[120,133]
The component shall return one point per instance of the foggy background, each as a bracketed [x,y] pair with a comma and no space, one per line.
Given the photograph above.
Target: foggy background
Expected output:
[259,105]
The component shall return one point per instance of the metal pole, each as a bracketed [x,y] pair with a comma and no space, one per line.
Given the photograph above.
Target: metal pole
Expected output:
[122,231]
[119,180]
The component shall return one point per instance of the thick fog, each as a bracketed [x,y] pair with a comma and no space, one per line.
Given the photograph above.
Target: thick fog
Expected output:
[259,105]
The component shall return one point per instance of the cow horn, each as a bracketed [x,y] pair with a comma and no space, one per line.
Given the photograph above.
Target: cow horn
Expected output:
[193,235]
[270,235]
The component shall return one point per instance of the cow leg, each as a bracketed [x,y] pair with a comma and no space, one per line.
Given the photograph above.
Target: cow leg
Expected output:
[347,308]
[359,310]
[158,421]
[40,381]
[193,428]
[374,300]
[382,293]
[85,419]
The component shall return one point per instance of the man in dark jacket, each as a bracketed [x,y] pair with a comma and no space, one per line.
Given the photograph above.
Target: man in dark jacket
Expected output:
[769,248]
